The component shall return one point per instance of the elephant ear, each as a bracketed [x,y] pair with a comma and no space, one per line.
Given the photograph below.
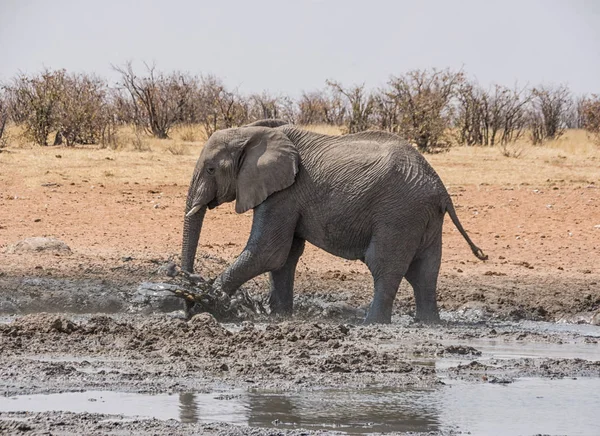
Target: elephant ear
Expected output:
[269,163]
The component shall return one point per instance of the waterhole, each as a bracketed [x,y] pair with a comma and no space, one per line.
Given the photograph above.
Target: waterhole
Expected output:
[527,406]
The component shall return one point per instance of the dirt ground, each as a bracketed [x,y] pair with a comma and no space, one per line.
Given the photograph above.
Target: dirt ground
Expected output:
[537,217]
[121,214]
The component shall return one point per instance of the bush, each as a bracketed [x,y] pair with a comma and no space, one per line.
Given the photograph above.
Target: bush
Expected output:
[359,105]
[321,107]
[83,114]
[590,114]
[158,101]
[3,119]
[35,103]
[417,105]
[74,106]
[549,112]
[490,117]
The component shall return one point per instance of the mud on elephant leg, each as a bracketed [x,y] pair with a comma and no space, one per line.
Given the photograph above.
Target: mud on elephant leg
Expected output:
[386,287]
[422,276]
[281,298]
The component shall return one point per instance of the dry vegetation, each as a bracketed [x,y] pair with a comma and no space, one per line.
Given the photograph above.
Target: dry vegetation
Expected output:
[433,109]
[574,157]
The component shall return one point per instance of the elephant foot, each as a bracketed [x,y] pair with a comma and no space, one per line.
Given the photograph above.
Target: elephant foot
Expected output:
[377,319]
[428,317]
[280,308]
[190,309]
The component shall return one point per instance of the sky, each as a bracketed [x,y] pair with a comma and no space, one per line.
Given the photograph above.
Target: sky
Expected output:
[286,47]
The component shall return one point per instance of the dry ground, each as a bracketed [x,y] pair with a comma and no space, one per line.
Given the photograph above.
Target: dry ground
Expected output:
[536,216]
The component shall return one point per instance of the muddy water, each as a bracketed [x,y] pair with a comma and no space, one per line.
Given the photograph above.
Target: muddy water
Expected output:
[528,406]
[91,373]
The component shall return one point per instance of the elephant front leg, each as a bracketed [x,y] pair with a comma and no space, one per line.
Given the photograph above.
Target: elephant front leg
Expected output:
[249,264]
[281,298]
[267,250]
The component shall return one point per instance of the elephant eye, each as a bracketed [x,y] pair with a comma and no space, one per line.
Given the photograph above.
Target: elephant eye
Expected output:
[210,170]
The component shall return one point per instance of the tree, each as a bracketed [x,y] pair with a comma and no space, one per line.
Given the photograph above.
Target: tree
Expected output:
[360,104]
[3,118]
[217,107]
[159,100]
[422,100]
[488,117]
[549,112]
[590,114]
[35,102]
[321,107]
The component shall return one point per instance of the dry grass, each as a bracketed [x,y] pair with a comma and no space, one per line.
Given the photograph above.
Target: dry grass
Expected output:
[571,159]
[324,129]
[574,158]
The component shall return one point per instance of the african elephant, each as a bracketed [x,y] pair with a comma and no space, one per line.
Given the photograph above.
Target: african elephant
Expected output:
[368,196]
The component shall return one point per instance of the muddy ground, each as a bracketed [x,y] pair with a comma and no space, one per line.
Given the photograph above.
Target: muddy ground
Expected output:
[105,331]
[53,353]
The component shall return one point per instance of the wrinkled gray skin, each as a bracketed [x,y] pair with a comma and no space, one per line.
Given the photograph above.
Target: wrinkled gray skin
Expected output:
[368,196]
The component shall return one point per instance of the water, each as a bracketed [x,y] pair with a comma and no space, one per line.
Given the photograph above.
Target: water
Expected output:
[528,406]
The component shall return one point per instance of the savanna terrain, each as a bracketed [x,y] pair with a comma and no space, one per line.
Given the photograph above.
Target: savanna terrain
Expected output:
[120,210]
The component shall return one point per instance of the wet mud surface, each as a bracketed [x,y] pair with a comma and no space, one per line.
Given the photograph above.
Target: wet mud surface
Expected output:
[139,373]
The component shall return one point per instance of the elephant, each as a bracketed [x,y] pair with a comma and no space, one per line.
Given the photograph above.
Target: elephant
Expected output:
[367,196]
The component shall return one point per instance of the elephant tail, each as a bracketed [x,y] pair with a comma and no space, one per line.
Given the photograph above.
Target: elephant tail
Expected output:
[474,248]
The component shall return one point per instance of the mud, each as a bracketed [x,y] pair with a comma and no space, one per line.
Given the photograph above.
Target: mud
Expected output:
[320,375]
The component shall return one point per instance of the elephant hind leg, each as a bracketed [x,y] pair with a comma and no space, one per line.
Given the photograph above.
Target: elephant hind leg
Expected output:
[422,275]
[380,310]
[388,262]
[281,298]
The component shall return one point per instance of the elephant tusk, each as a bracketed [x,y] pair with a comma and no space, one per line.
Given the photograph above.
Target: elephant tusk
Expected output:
[193,211]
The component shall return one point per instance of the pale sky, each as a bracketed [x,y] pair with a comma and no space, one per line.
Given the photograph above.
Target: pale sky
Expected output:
[290,46]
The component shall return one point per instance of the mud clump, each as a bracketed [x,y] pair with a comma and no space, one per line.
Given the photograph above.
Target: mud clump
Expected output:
[204,324]
[461,350]
[39,244]
[44,323]
[14,427]
[364,361]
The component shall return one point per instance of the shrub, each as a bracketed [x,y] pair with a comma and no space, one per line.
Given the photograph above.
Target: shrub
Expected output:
[35,103]
[590,114]
[549,112]
[417,105]
[3,119]
[489,117]
[158,101]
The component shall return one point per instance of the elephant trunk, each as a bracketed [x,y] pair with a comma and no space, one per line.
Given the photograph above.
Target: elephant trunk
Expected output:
[191,234]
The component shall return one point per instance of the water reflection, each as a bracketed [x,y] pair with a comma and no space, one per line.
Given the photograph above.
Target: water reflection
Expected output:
[376,410]
[527,406]
[188,408]
[363,411]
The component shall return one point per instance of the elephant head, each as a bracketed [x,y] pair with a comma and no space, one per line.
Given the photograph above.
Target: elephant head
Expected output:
[245,164]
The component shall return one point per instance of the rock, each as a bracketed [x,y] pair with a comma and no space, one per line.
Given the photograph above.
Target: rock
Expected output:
[169,269]
[596,319]
[155,297]
[39,243]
